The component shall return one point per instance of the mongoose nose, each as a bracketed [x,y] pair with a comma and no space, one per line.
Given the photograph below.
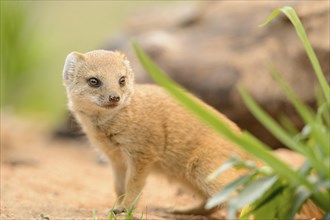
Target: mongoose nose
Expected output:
[113,98]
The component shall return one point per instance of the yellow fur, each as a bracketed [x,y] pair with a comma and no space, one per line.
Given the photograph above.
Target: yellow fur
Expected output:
[147,131]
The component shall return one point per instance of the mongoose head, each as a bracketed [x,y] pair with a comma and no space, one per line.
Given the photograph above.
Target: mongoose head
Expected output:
[98,80]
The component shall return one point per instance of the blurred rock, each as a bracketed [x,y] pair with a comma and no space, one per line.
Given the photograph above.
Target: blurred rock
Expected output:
[211,47]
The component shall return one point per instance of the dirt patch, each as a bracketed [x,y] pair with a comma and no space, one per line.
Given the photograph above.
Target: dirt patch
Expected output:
[46,178]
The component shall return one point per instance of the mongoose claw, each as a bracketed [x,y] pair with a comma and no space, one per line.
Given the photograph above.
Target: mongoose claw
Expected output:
[118,210]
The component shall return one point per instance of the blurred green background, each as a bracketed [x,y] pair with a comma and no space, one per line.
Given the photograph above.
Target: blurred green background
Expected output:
[36,36]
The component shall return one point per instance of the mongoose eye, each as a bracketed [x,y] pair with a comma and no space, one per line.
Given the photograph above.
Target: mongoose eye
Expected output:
[94,82]
[122,81]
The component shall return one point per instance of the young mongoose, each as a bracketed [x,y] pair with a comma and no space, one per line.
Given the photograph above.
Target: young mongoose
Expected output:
[143,129]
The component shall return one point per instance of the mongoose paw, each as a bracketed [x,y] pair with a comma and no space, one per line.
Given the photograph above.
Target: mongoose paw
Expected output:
[118,210]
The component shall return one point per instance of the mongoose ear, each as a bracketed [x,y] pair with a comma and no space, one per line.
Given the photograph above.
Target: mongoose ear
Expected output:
[121,55]
[71,63]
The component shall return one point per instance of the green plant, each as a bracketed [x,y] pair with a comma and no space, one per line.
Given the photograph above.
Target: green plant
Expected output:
[276,190]
[27,83]
[94,214]
[129,214]
[20,52]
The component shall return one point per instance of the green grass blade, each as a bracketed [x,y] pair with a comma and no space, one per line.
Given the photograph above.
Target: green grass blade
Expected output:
[301,196]
[129,214]
[111,214]
[291,14]
[266,200]
[326,217]
[141,217]
[227,191]
[304,111]
[231,211]
[277,131]
[253,191]
[288,125]
[323,116]
[271,17]
[270,123]
[322,199]
[94,214]
[259,149]
[222,169]
[286,204]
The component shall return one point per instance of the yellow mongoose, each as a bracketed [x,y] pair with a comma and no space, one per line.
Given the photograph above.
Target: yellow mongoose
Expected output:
[142,129]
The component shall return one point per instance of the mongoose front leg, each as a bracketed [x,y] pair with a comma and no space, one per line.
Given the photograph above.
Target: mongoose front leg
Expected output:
[119,169]
[135,180]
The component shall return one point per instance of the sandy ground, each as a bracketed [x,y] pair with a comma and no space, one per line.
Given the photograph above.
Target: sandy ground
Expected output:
[46,178]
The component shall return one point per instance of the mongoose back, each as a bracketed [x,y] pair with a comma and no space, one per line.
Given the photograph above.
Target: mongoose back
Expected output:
[142,129]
